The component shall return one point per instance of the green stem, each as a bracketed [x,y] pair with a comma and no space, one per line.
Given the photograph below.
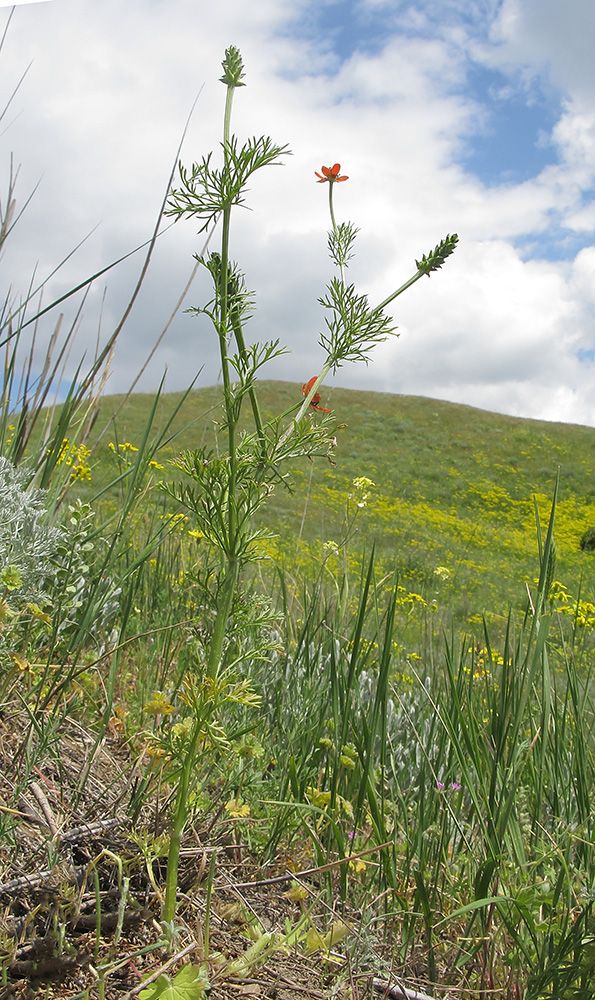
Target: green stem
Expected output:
[230,575]
[227,115]
[188,767]
[237,329]
[239,336]
[207,920]
[416,277]
[227,390]
[334,223]
[224,609]
[330,205]
[173,858]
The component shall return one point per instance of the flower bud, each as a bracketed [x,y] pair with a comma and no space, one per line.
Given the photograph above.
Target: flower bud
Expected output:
[233,68]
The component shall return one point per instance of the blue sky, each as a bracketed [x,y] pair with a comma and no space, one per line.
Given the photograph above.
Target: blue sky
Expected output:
[513,144]
[474,116]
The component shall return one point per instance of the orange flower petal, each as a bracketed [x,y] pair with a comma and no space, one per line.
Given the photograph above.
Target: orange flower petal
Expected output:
[330,174]
[316,397]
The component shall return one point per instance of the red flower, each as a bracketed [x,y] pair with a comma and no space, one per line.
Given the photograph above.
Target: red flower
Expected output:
[331,174]
[316,397]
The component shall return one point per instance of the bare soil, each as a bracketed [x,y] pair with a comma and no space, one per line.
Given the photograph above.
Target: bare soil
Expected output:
[81,887]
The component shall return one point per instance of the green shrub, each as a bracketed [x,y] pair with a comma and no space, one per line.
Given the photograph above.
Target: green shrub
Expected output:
[588,540]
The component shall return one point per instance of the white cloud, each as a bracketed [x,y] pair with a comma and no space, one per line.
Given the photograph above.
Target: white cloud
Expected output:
[99,117]
[547,36]
[504,334]
[574,134]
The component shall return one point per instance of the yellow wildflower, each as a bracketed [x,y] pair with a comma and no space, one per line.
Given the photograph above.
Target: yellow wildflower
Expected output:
[297,892]
[361,490]
[237,809]
[159,705]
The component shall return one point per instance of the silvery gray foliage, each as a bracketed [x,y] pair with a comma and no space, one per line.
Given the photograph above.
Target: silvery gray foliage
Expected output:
[306,677]
[81,584]
[411,733]
[26,541]
[58,566]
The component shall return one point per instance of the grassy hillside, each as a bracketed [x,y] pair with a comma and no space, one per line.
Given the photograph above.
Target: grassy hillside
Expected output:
[453,501]
[438,790]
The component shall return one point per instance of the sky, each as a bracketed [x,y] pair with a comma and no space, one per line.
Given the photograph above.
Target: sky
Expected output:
[468,116]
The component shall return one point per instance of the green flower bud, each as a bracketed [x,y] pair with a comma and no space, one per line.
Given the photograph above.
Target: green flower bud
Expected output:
[438,255]
[11,577]
[233,68]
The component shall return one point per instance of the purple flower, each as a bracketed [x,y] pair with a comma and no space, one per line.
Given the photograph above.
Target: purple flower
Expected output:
[455,786]
[439,785]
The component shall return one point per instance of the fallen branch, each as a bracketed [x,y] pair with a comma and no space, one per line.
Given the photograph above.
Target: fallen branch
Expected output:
[309,871]
[398,990]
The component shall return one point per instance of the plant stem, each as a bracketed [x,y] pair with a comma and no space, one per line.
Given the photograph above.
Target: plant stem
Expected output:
[230,570]
[239,337]
[330,205]
[173,858]
[393,295]
[334,224]
[227,115]
[224,609]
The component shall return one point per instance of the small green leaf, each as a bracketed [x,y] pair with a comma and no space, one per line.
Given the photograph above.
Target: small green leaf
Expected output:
[11,577]
[190,983]
[338,931]
[314,941]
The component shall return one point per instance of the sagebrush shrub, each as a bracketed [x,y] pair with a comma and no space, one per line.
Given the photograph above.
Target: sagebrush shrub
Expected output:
[27,542]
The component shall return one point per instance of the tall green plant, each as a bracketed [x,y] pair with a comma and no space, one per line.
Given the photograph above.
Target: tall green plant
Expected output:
[225,490]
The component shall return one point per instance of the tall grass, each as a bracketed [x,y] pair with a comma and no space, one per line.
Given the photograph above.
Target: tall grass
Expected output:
[66,610]
[487,884]
[479,772]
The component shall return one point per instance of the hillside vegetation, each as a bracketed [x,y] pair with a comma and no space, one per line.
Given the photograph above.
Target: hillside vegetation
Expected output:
[453,505]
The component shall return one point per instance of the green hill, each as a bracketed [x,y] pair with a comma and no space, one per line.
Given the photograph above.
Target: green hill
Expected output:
[453,501]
